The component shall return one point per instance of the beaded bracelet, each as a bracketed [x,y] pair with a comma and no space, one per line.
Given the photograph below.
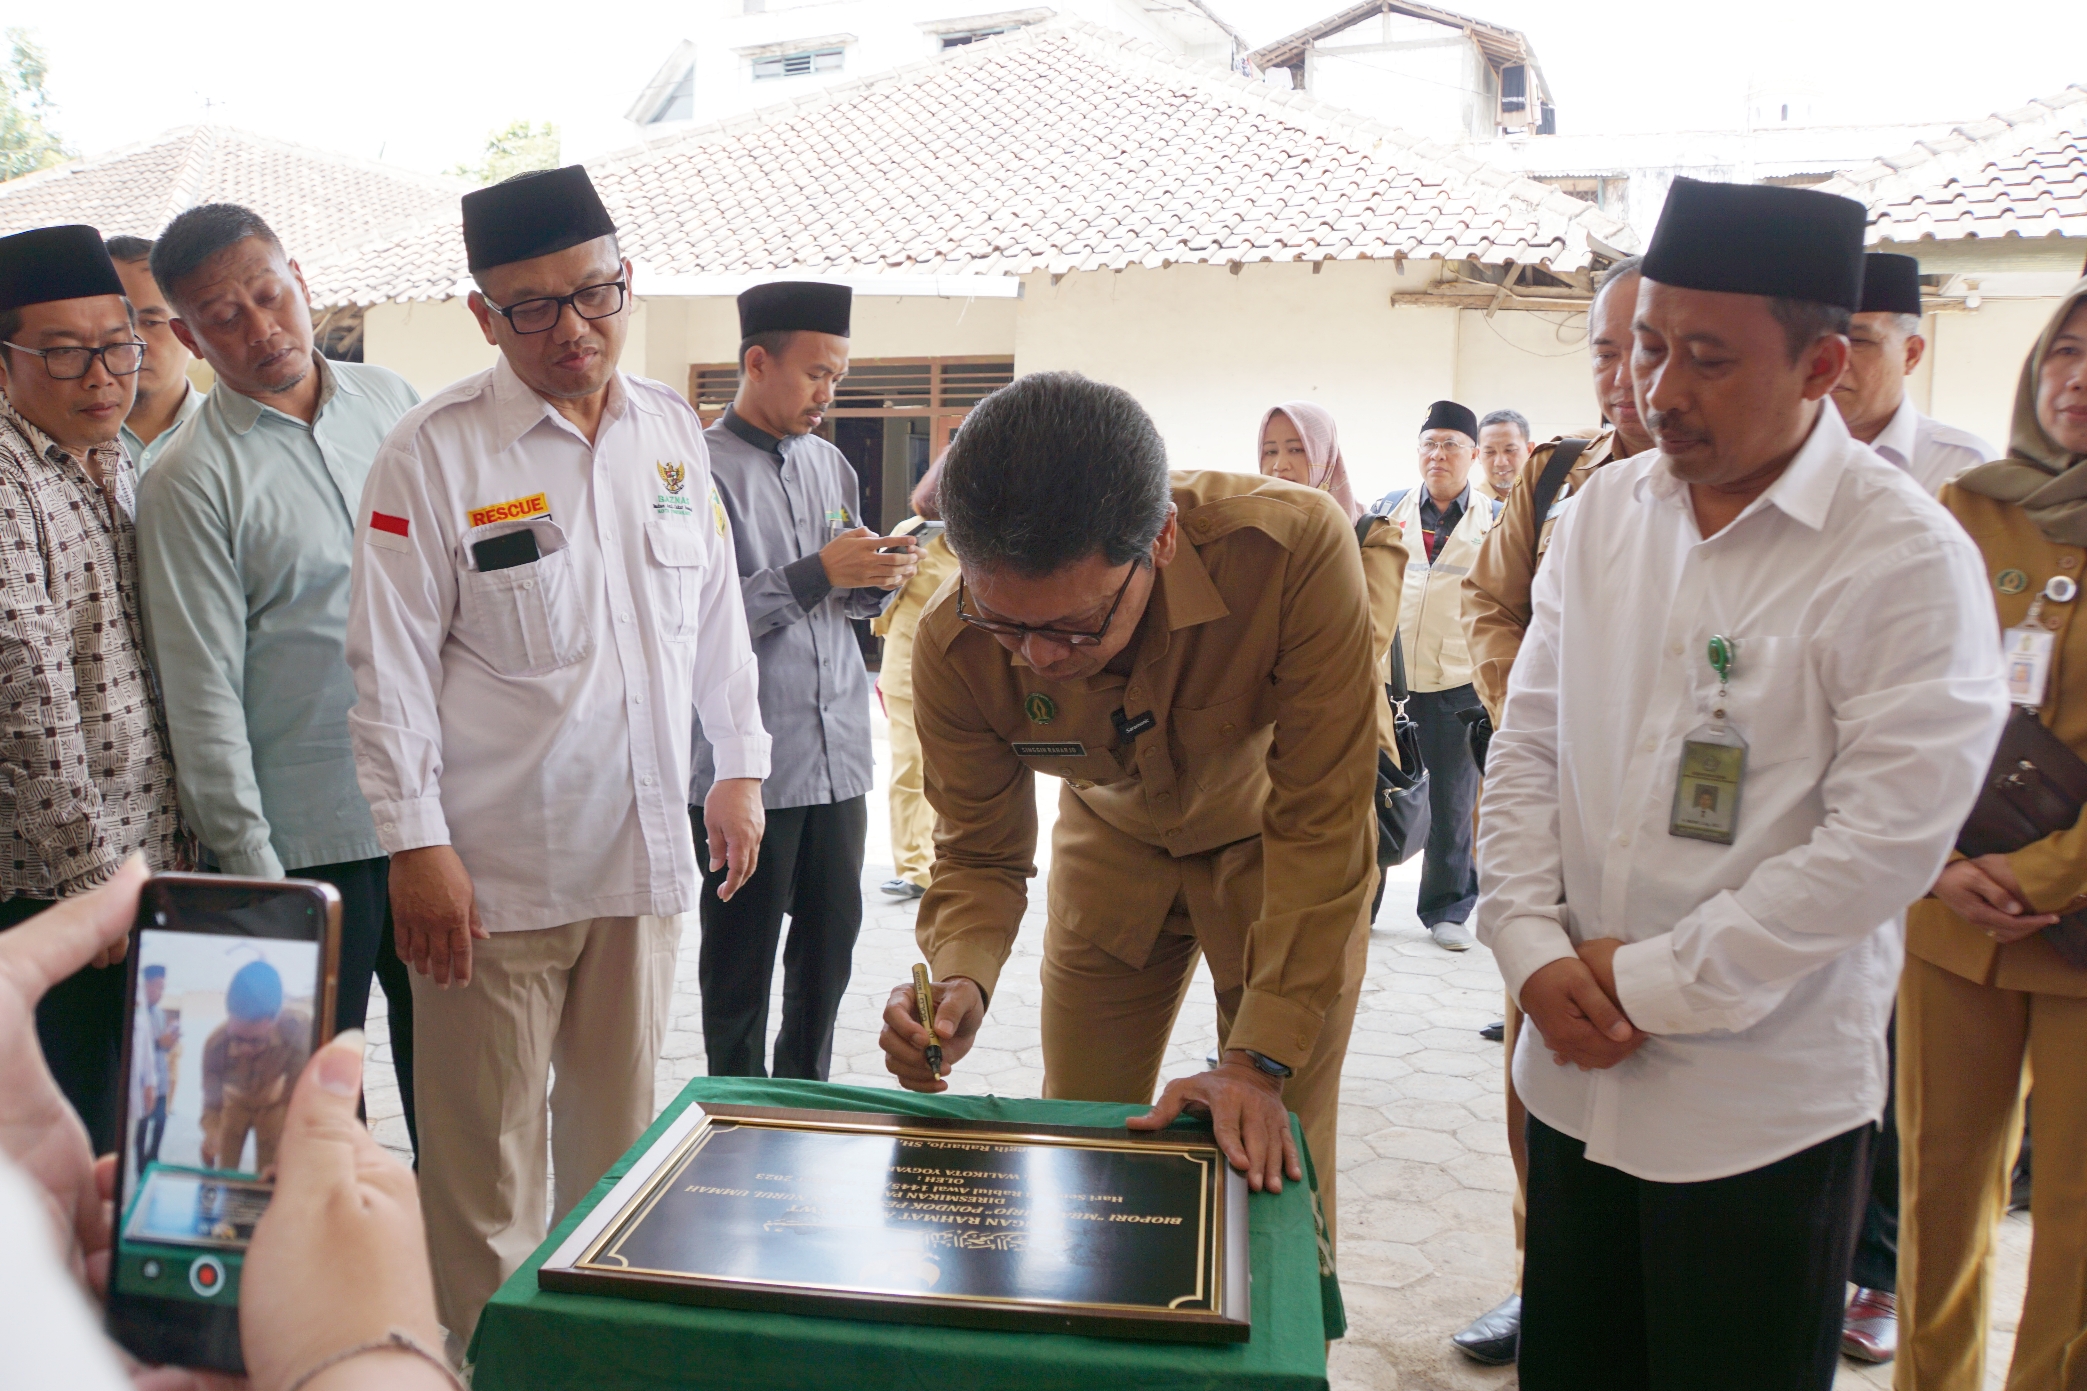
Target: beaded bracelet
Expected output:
[396,1340]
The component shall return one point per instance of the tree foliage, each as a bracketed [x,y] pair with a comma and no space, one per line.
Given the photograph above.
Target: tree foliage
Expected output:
[27,143]
[520,147]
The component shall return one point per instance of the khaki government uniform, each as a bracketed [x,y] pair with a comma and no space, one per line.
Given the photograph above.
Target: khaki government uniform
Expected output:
[912,819]
[1384,560]
[1200,835]
[1976,1021]
[1496,618]
[246,1088]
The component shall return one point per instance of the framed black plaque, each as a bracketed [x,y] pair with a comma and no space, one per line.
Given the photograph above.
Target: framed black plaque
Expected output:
[905,1219]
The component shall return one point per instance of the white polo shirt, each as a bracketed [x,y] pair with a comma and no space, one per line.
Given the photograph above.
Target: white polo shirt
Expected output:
[536,716]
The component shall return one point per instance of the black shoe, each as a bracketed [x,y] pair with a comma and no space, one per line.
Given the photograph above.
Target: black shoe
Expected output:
[1494,1032]
[1495,1336]
[902,888]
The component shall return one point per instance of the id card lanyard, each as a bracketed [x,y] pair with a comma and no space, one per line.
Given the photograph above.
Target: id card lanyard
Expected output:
[1713,764]
[2027,650]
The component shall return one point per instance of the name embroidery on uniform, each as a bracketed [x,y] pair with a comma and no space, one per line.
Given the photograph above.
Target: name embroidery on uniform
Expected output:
[1065,750]
[673,499]
[513,510]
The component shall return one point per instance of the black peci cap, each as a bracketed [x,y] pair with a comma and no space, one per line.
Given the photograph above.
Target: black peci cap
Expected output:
[1759,239]
[531,215]
[789,306]
[1448,415]
[54,263]
[1890,284]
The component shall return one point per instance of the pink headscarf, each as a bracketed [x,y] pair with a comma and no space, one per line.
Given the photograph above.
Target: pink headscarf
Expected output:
[1322,448]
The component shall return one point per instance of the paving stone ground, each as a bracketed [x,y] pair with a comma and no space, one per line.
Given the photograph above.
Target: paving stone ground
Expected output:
[1427,1237]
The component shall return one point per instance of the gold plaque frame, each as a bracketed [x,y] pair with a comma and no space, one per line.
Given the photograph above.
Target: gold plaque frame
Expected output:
[590,1262]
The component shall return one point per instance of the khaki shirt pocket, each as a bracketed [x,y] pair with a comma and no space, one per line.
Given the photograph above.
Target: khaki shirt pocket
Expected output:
[525,620]
[676,575]
[1201,733]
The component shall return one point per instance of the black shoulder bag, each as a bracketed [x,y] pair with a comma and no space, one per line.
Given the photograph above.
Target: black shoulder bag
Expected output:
[1402,787]
[2034,788]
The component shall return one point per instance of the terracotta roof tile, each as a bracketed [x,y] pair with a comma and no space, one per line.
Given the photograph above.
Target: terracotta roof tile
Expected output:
[2019,173]
[1059,147]
[315,200]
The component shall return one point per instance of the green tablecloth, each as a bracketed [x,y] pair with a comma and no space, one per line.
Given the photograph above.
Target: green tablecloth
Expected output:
[531,1340]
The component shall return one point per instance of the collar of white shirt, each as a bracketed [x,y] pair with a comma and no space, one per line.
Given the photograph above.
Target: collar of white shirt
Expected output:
[1897,440]
[518,409]
[1805,491]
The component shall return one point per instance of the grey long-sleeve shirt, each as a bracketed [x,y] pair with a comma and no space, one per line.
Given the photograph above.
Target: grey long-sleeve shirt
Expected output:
[786,499]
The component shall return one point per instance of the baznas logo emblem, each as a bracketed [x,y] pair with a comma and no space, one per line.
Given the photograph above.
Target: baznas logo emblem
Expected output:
[673,476]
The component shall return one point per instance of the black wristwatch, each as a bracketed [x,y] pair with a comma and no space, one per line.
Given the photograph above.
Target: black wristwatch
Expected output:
[1268,1065]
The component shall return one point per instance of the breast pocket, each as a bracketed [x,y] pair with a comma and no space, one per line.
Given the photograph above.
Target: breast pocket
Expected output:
[1771,702]
[676,574]
[525,620]
[1199,734]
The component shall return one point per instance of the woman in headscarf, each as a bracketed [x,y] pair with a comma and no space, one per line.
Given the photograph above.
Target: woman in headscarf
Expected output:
[1986,998]
[1299,444]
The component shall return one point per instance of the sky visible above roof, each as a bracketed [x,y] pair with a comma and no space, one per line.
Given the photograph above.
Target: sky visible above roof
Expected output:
[1059,148]
[420,84]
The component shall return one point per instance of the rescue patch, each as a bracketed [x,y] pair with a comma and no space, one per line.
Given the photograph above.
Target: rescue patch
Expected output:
[388,533]
[512,510]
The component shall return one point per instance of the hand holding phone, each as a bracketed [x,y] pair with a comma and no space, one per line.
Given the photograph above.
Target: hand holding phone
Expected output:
[861,559]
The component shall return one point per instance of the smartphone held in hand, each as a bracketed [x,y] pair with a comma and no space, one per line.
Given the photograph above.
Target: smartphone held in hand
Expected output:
[231,988]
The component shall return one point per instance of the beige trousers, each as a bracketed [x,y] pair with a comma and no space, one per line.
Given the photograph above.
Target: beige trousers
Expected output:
[589,999]
[1966,1052]
[1106,1024]
[912,819]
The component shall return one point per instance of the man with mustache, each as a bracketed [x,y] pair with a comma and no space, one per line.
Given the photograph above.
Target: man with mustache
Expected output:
[534,611]
[1764,608]
[246,533]
[806,567]
[1496,616]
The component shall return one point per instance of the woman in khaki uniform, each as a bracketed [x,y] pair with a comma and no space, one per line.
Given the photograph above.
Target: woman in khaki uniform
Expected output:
[1299,444]
[1986,1002]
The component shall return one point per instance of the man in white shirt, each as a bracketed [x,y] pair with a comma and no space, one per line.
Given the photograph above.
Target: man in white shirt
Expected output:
[1760,687]
[542,591]
[1885,346]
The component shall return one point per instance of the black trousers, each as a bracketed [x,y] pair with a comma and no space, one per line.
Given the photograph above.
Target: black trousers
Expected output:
[1735,1284]
[151,1128]
[79,1025]
[1448,874]
[1876,1264]
[811,869]
[368,948]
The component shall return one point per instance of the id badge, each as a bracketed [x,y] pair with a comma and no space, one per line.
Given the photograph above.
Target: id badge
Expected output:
[1706,791]
[2027,652]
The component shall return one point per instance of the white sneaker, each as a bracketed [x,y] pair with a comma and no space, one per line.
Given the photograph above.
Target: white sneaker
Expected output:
[1452,937]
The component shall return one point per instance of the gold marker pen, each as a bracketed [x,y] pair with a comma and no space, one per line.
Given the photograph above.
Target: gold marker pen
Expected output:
[924,1001]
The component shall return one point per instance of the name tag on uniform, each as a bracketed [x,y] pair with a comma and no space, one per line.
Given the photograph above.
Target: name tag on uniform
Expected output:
[1062,750]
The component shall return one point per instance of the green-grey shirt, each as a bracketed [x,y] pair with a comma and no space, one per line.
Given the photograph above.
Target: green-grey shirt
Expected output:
[144,455]
[246,529]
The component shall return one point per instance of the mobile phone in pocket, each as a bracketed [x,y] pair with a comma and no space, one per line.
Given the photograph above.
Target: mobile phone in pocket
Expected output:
[505,551]
[231,988]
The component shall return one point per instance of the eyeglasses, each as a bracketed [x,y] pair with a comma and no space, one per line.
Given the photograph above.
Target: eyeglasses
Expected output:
[71,364]
[1023,630]
[542,315]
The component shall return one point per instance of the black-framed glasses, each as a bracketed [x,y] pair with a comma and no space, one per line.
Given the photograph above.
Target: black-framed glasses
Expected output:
[1023,630]
[542,315]
[71,364]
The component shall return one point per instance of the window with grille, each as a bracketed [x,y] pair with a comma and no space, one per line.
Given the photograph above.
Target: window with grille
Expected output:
[798,64]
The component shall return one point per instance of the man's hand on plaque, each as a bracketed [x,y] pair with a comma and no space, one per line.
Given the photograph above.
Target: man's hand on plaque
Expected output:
[960,1007]
[1247,1116]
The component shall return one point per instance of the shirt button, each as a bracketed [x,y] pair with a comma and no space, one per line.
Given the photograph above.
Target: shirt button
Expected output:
[1173,831]
[640,700]
[1651,744]
[646,781]
[1226,729]
[1162,796]
[1623,839]
[528,584]
[1079,784]
[2068,562]
[391,825]
[1134,693]
[1675,650]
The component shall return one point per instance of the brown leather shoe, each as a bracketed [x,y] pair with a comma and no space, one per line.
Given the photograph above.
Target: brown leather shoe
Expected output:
[1870,1328]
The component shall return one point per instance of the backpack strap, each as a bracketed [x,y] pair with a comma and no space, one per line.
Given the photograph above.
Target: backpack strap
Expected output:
[1563,456]
[1397,689]
[1389,503]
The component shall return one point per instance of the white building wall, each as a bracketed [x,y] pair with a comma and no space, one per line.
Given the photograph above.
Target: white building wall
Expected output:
[1420,76]
[1978,362]
[430,344]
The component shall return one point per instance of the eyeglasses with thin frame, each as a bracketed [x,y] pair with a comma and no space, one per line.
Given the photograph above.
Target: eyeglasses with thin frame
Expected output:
[71,364]
[1024,631]
[542,315]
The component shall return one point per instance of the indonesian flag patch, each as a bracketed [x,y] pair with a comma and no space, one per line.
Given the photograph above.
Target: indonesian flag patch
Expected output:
[387,532]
